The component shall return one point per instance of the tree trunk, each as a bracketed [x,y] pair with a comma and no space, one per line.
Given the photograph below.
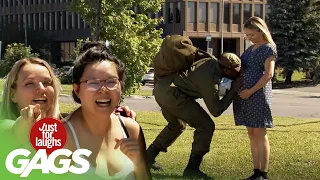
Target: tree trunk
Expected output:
[289,77]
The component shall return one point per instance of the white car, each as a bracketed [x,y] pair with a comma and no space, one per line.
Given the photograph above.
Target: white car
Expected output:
[67,70]
[148,77]
[225,86]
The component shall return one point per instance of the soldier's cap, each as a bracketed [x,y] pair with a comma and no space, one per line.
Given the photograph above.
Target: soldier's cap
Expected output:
[230,60]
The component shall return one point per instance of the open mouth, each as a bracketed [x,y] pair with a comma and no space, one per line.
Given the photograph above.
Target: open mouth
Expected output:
[39,100]
[103,102]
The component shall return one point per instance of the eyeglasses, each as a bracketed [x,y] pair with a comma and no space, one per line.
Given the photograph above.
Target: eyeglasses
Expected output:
[96,84]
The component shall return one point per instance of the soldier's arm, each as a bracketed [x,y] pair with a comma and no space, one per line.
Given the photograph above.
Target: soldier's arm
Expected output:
[212,100]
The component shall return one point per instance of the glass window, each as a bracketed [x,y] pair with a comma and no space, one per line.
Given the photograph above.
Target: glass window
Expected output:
[170,13]
[268,11]
[226,13]
[257,10]
[203,12]
[236,14]
[178,12]
[214,13]
[191,12]
[36,20]
[246,12]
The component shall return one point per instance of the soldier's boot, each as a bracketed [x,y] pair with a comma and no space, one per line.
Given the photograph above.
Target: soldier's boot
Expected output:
[152,153]
[193,168]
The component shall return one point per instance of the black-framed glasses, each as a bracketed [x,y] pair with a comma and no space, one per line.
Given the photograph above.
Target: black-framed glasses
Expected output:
[96,84]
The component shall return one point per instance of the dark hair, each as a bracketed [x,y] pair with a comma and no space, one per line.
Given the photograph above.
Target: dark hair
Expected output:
[90,53]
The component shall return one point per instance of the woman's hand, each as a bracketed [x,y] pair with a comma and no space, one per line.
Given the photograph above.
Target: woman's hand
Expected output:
[129,113]
[23,124]
[245,94]
[131,148]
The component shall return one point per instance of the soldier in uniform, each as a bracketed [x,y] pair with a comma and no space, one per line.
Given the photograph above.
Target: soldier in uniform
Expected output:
[176,94]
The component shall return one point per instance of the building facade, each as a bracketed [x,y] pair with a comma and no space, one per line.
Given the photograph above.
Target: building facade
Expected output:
[222,20]
[49,19]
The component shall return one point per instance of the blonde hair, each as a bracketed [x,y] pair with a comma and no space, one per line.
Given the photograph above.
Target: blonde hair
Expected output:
[8,108]
[259,24]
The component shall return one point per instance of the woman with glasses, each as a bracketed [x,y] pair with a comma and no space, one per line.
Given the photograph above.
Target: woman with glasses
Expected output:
[117,143]
[31,92]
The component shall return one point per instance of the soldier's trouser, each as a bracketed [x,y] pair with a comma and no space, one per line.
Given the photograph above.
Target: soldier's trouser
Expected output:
[178,109]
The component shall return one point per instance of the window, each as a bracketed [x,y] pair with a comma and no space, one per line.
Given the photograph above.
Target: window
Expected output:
[268,11]
[226,13]
[257,10]
[52,20]
[214,13]
[178,12]
[41,21]
[191,12]
[170,13]
[246,12]
[36,20]
[67,49]
[63,20]
[203,12]
[69,23]
[236,14]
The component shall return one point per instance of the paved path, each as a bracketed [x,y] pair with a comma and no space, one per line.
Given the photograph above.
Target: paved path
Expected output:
[298,102]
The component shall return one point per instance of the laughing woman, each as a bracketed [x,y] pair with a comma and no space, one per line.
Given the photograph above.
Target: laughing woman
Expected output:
[117,143]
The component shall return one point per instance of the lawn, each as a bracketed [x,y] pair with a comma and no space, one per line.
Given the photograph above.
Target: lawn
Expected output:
[295,148]
[296,76]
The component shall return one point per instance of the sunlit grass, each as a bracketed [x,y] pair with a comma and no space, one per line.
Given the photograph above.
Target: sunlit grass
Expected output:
[295,148]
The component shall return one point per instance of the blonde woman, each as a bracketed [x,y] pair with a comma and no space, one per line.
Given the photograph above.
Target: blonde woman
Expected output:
[252,108]
[31,87]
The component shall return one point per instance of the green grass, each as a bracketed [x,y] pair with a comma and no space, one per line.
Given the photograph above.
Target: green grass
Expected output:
[66,89]
[1,84]
[141,92]
[295,148]
[296,76]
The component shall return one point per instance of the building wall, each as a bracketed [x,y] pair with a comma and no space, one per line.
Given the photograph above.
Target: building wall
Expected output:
[49,18]
[193,18]
[204,17]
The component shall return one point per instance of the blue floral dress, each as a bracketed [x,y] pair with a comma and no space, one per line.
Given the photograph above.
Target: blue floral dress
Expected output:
[255,112]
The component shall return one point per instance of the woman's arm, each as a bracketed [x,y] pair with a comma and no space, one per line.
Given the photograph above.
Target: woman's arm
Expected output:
[268,74]
[269,65]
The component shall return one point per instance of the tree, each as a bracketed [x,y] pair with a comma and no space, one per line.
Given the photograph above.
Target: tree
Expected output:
[13,53]
[296,30]
[134,37]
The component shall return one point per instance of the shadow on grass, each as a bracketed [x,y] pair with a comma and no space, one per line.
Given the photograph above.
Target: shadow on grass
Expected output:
[311,96]
[173,176]
[294,84]
[298,124]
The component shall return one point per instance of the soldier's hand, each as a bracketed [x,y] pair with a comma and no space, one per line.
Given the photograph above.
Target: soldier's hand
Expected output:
[236,84]
[126,112]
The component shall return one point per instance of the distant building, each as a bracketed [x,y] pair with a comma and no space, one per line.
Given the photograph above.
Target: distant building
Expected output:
[221,19]
[44,17]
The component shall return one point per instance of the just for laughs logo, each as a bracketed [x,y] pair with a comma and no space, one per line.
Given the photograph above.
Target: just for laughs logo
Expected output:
[48,137]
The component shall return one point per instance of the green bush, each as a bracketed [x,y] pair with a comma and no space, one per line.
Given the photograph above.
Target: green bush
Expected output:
[65,79]
[13,53]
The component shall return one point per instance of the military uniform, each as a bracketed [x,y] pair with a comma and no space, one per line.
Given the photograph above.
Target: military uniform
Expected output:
[183,74]
[176,95]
